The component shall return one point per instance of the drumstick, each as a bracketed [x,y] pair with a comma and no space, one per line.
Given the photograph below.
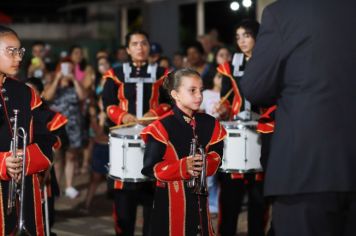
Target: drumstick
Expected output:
[123,125]
[223,99]
[148,118]
[134,123]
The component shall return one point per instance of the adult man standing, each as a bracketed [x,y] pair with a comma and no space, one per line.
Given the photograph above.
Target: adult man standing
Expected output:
[304,61]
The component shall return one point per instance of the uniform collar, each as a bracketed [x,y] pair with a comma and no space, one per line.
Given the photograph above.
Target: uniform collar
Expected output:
[143,64]
[183,117]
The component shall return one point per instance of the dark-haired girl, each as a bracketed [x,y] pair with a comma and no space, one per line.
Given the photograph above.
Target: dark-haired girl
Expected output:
[234,186]
[16,95]
[177,209]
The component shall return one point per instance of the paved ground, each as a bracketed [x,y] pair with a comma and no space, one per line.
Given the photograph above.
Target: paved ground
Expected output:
[70,221]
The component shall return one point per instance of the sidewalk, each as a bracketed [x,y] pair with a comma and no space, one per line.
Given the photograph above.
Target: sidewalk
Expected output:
[70,221]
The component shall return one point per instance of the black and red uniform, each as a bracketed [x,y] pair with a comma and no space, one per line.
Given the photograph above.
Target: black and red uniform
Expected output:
[16,95]
[119,98]
[234,186]
[177,210]
[265,127]
[49,140]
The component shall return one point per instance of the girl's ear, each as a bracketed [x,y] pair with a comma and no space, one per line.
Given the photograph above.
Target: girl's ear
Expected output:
[174,95]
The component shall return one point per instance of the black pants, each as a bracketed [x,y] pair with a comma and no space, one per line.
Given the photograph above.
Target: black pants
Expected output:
[126,202]
[324,214]
[232,193]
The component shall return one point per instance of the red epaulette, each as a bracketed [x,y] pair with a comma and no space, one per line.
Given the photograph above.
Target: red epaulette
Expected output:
[35,99]
[111,74]
[218,135]
[57,121]
[156,130]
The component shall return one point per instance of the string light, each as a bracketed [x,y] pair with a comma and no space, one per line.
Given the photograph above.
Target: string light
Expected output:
[247,3]
[235,6]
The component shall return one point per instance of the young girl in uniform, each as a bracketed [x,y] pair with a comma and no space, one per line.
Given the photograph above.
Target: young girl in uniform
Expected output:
[15,95]
[177,209]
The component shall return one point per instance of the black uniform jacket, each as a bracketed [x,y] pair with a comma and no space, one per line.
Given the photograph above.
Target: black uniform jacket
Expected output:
[308,70]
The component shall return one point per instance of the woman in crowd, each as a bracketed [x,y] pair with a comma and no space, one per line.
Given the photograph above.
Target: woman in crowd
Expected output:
[234,186]
[85,75]
[65,94]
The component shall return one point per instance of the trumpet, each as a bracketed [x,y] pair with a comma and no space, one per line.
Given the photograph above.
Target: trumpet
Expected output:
[15,190]
[198,184]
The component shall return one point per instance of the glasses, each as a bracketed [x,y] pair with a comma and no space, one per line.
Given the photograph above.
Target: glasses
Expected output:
[12,51]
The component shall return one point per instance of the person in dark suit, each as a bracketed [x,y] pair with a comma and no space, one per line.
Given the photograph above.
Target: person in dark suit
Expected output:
[304,61]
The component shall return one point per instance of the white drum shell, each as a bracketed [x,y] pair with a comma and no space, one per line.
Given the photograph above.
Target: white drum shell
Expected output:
[242,148]
[126,150]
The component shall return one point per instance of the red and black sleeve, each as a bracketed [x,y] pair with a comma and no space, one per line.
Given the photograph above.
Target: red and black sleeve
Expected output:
[115,103]
[215,149]
[160,159]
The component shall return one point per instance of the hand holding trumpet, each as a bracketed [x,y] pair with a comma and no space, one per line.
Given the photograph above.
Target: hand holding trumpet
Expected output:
[194,165]
[14,166]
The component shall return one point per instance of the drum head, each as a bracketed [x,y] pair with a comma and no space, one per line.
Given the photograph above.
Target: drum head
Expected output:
[128,132]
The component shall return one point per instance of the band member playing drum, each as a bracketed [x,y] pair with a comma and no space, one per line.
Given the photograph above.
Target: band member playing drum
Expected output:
[14,96]
[235,185]
[169,157]
[130,92]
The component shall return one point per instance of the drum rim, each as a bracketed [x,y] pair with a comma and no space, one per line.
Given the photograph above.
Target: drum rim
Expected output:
[237,124]
[241,171]
[131,180]
[126,136]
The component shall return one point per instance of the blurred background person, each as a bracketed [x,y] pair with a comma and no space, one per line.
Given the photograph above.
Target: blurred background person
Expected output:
[120,57]
[234,186]
[211,96]
[222,55]
[155,53]
[101,53]
[178,61]
[85,75]
[165,62]
[100,152]
[37,66]
[207,44]
[65,93]
[196,59]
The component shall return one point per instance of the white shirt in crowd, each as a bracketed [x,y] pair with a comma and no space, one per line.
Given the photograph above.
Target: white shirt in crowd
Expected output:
[210,99]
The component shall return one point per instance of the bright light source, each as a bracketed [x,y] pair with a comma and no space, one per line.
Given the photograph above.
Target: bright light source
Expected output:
[247,3]
[235,6]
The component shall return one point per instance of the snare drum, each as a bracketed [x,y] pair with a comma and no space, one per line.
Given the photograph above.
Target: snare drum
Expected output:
[126,154]
[242,148]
